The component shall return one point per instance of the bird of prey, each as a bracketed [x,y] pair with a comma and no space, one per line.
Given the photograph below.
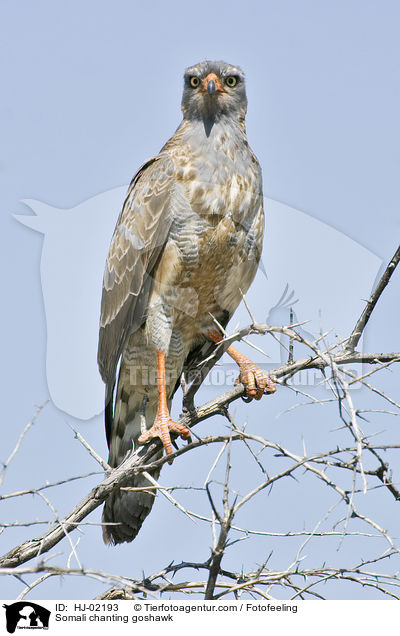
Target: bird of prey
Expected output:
[185,248]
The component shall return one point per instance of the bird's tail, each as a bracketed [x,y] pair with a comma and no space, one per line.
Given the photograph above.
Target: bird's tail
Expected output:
[124,512]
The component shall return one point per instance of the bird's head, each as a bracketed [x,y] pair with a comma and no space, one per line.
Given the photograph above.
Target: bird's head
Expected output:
[212,90]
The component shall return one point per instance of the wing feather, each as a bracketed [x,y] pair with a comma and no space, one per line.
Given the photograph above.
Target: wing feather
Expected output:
[137,243]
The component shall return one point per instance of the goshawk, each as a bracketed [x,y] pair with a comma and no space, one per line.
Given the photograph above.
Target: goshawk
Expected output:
[186,246]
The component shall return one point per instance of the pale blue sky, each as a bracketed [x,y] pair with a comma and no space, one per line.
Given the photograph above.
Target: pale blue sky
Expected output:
[91,89]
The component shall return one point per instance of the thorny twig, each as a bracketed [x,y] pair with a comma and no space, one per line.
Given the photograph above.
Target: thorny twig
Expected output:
[360,459]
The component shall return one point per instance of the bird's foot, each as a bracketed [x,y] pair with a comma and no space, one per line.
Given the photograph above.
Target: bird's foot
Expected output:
[163,426]
[256,381]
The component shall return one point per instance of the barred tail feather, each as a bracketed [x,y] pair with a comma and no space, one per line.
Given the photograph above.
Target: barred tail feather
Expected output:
[124,512]
[127,510]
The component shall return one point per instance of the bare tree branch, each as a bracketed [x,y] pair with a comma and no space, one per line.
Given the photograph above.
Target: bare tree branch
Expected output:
[366,314]
[349,472]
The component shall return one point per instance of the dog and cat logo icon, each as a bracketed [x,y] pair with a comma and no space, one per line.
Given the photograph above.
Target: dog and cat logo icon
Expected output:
[26,615]
[303,275]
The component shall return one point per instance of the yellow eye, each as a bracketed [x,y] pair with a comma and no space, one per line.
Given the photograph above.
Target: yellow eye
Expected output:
[194,81]
[231,81]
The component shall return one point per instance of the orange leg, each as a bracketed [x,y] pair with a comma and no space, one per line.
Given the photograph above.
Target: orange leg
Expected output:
[254,379]
[163,424]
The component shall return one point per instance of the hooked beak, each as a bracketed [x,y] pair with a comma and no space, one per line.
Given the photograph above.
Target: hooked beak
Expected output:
[211,88]
[212,84]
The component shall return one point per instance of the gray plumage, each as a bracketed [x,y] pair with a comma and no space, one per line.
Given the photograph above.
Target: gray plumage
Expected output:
[186,245]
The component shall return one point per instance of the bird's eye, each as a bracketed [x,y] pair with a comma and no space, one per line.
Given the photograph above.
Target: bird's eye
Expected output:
[194,81]
[231,81]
